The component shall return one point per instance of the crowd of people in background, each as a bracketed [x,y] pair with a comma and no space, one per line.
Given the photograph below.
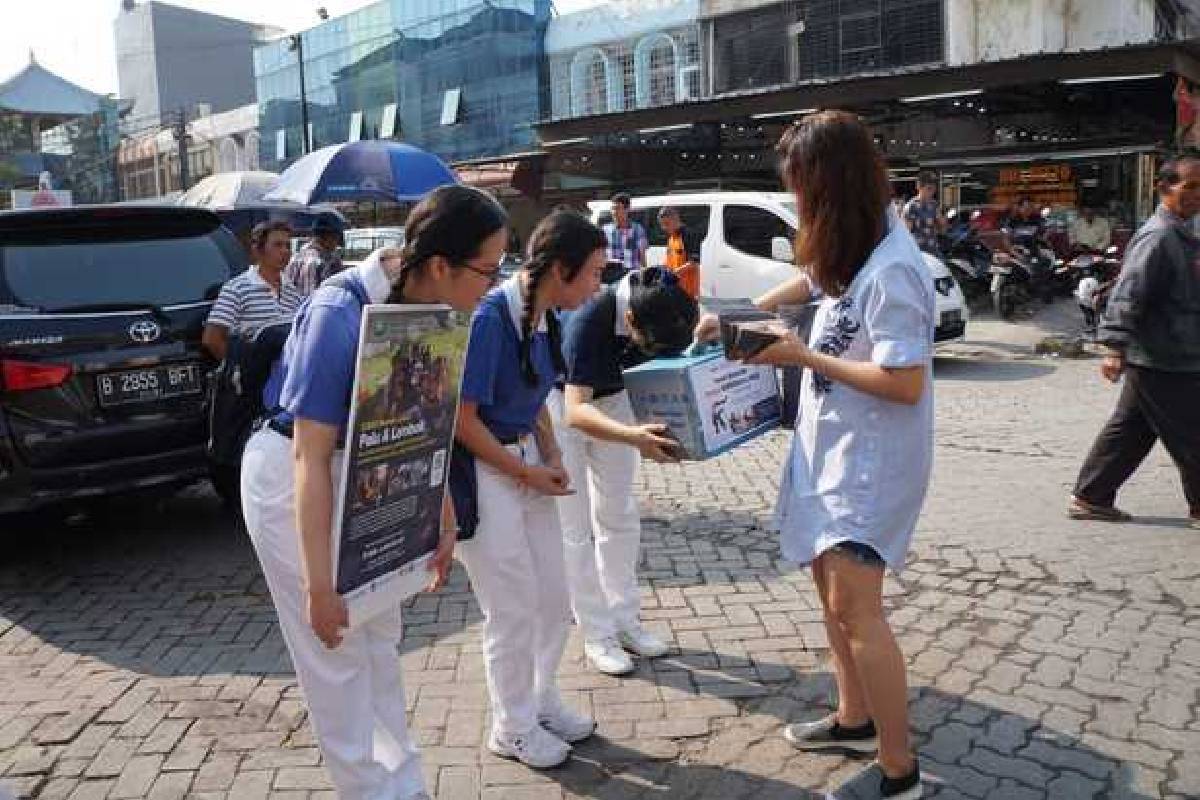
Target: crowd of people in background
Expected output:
[542,509]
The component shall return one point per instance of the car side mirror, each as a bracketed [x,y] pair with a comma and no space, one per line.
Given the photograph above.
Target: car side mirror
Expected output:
[781,250]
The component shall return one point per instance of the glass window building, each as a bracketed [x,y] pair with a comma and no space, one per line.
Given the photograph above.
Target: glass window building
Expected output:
[462,78]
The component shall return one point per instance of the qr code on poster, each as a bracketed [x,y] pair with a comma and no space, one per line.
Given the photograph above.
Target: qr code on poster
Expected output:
[438,471]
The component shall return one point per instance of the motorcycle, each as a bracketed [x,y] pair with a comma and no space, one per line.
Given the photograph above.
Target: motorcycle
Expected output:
[968,259]
[1102,269]
[1086,261]
[1022,268]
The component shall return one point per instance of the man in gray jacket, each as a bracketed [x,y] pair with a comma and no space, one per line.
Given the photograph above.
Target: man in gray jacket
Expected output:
[1151,330]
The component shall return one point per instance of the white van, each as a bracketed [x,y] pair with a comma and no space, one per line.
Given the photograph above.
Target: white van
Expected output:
[747,246]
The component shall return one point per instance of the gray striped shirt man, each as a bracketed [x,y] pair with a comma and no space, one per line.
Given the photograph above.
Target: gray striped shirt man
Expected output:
[248,303]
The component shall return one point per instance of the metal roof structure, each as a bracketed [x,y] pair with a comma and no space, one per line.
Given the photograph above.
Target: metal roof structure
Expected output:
[36,90]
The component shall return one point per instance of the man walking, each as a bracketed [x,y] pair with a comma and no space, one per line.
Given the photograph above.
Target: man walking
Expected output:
[627,240]
[318,259]
[1152,331]
[923,215]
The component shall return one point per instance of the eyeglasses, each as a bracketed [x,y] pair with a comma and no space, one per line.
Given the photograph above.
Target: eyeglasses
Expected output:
[492,276]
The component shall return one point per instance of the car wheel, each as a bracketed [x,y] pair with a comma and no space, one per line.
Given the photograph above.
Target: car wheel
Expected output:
[226,482]
[1005,300]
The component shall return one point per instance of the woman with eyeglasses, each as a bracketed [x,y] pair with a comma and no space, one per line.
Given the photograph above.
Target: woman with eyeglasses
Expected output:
[646,314]
[514,557]
[351,678]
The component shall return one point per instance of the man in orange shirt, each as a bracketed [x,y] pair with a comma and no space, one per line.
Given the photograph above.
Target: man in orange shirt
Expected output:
[683,250]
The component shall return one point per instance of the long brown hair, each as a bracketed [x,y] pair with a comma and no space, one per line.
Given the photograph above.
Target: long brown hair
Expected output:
[832,165]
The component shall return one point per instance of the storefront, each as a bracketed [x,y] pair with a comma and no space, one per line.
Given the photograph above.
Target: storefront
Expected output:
[1068,130]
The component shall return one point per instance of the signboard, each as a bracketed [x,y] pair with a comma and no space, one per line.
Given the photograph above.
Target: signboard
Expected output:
[1045,185]
[403,407]
[41,198]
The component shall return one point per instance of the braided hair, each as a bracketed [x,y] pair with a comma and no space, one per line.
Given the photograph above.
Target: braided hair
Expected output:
[567,239]
[451,221]
[664,314]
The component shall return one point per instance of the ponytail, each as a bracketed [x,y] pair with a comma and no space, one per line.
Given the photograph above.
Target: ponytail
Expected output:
[567,239]
[451,221]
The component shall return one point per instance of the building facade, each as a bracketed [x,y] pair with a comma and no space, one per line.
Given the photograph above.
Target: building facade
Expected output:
[625,55]
[171,58]
[461,78]
[148,165]
[1067,101]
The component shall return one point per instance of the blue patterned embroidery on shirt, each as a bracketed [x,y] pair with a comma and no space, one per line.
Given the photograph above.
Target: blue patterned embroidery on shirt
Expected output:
[835,340]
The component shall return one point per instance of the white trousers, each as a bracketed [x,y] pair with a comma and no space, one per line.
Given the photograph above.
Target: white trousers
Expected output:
[355,693]
[602,528]
[515,563]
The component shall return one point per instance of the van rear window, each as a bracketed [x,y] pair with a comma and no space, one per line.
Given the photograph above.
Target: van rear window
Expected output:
[82,273]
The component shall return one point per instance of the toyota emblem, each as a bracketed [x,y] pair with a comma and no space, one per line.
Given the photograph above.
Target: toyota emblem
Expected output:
[144,332]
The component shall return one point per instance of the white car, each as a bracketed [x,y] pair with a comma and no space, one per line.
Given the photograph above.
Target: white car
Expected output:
[361,242]
[747,246]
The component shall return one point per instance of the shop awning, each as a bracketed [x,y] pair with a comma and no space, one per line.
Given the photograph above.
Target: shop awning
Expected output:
[1180,58]
[518,172]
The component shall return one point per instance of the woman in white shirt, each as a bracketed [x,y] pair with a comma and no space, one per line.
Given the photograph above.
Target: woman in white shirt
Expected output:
[856,478]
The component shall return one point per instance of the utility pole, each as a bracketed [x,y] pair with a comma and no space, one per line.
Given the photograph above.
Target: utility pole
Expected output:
[181,139]
[296,44]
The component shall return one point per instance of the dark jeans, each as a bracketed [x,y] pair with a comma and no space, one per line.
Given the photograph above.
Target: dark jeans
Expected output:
[1153,405]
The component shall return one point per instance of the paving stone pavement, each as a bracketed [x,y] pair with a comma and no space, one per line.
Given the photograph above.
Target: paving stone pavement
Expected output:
[139,655]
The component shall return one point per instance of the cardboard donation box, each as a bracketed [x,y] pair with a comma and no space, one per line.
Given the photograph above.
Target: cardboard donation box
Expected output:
[710,404]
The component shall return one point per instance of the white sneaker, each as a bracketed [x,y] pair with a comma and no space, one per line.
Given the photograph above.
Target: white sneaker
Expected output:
[567,724]
[643,642]
[607,656]
[539,748]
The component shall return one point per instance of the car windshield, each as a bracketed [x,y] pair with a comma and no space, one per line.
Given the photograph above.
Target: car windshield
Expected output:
[157,272]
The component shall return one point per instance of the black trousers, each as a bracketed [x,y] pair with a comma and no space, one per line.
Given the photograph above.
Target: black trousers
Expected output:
[1153,405]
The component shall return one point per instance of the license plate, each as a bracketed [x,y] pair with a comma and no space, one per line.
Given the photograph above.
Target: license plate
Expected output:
[148,385]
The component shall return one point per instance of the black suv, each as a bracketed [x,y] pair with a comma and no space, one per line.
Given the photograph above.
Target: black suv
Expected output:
[102,380]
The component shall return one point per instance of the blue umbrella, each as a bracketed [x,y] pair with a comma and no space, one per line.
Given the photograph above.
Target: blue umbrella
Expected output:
[359,171]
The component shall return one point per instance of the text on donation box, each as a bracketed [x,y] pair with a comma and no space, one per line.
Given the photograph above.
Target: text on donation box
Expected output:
[710,404]
[403,408]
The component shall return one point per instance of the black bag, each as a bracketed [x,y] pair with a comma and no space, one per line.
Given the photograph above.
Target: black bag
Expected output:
[464,491]
[237,393]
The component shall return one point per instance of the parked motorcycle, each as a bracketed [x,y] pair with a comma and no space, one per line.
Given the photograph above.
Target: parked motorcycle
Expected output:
[968,259]
[1022,269]
[1086,261]
[1100,270]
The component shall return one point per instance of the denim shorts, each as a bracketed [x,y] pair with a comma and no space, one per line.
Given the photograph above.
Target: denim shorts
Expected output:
[862,553]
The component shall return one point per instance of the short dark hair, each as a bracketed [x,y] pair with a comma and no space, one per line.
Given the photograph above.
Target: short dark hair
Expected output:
[622,199]
[1169,173]
[927,178]
[663,313]
[263,230]
[327,223]
[668,211]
